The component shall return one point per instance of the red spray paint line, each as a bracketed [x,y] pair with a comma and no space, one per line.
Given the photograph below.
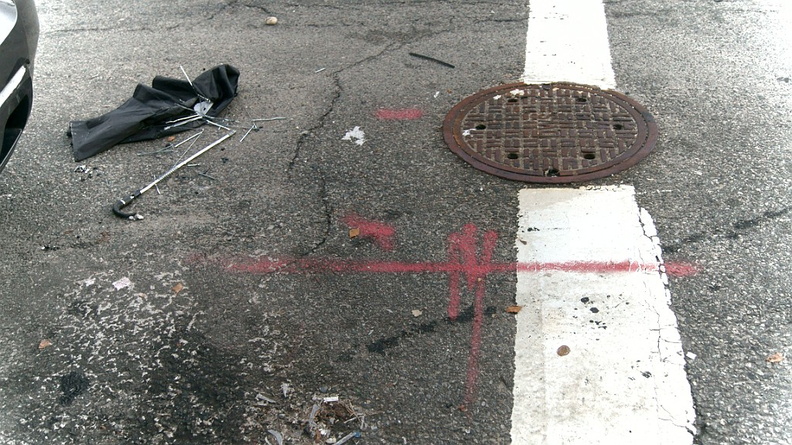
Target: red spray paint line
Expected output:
[681,269]
[400,114]
[329,265]
[464,258]
[382,234]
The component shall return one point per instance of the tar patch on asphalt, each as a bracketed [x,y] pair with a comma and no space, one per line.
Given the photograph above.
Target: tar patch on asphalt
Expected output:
[72,385]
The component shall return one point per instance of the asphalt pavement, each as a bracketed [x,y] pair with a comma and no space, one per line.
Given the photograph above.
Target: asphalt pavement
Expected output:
[282,285]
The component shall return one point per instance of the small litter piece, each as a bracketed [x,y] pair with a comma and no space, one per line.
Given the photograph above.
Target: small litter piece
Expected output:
[421,56]
[277,435]
[355,135]
[286,389]
[177,288]
[417,313]
[312,426]
[348,437]
[44,344]
[264,399]
[563,350]
[776,358]
[271,21]
[513,309]
[354,232]
[122,283]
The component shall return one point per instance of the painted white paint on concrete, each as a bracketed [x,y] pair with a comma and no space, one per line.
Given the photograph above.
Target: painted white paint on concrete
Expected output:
[623,380]
[568,41]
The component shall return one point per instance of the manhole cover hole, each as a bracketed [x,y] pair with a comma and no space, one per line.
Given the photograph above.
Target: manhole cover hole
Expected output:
[551,133]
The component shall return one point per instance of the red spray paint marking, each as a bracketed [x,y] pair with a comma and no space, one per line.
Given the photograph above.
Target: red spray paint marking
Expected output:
[681,269]
[462,247]
[464,259]
[463,256]
[382,234]
[401,114]
[329,265]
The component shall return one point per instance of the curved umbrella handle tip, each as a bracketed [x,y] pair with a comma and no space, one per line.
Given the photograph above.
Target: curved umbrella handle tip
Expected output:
[123,202]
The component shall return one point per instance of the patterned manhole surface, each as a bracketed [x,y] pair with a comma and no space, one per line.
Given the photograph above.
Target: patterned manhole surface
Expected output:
[550,133]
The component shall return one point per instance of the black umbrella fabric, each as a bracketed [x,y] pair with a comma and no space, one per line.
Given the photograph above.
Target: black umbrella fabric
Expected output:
[146,115]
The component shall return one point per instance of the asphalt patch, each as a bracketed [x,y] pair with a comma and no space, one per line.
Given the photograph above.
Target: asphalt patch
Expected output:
[72,385]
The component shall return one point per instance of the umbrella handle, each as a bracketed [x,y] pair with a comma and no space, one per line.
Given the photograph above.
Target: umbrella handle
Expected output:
[123,202]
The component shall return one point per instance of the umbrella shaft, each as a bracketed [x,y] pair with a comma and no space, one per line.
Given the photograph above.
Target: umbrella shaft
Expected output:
[186,161]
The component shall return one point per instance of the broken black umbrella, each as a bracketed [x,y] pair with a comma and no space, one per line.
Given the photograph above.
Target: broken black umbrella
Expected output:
[167,107]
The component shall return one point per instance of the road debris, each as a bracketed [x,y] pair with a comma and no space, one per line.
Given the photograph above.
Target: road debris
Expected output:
[123,202]
[421,56]
[354,232]
[348,437]
[775,358]
[123,283]
[262,399]
[252,127]
[286,389]
[563,350]
[417,313]
[191,138]
[167,107]
[206,175]
[355,135]
[327,416]
[271,21]
[44,344]
[514,309]
[178,287]
[278,436]
[164,150]
[268,119]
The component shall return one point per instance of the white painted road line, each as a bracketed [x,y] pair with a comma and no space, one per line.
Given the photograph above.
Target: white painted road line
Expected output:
[598,356]
[568,41]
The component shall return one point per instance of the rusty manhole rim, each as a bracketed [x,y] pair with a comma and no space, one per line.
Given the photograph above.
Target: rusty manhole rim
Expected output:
[645,141]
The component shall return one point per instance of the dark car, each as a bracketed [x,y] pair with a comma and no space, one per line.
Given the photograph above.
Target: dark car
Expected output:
[19,31]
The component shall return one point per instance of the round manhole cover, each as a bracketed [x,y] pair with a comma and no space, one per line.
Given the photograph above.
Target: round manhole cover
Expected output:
[551,133]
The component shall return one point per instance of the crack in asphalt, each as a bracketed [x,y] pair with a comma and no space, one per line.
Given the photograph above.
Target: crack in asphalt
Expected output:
[320,123]
[328,217]
[303,140]
[55,32]
[338,92]
[233,3]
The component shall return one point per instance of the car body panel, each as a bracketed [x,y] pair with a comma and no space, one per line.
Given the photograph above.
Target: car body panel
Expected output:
[19,29]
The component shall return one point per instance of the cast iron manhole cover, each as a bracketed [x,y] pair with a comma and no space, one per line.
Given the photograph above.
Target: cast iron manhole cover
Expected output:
[551,133]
